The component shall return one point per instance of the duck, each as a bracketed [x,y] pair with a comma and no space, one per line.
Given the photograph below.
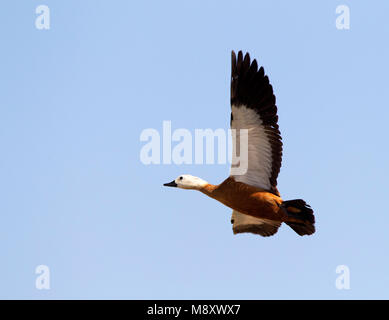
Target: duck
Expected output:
[252,194]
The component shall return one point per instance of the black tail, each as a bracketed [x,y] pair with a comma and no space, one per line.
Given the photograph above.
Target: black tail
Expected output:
[301,215]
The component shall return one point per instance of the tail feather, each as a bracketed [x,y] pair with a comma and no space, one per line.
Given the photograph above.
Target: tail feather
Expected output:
[302,220]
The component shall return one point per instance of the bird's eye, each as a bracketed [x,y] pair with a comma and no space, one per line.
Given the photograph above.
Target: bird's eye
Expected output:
[180,178]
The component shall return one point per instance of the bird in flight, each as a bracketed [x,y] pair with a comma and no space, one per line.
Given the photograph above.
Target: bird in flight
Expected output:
[252,194]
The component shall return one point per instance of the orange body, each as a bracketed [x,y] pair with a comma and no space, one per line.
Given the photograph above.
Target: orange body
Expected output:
[247,199]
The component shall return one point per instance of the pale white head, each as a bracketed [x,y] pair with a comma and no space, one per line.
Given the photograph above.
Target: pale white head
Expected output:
[186,181]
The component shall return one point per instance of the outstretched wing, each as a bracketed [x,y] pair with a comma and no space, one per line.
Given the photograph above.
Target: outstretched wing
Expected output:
[242,223]
[253,107]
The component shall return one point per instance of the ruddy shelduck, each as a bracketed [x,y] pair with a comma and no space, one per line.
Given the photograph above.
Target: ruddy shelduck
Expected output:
[253,196]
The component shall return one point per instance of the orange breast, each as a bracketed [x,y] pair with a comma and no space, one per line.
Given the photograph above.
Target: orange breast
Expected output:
[247,199]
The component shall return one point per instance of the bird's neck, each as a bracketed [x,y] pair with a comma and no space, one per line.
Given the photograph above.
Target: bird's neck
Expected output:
[218,192]
[209,189]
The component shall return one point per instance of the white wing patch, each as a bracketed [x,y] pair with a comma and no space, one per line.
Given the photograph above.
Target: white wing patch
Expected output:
[244,223]
[259,149]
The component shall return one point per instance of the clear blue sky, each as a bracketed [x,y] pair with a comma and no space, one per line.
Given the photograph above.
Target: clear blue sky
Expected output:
[75,196]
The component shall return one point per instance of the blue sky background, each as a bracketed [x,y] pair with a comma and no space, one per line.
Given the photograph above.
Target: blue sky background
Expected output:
[75,196]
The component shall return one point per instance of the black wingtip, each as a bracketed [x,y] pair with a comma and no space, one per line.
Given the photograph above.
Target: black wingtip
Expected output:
[233,62]
[240,56]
